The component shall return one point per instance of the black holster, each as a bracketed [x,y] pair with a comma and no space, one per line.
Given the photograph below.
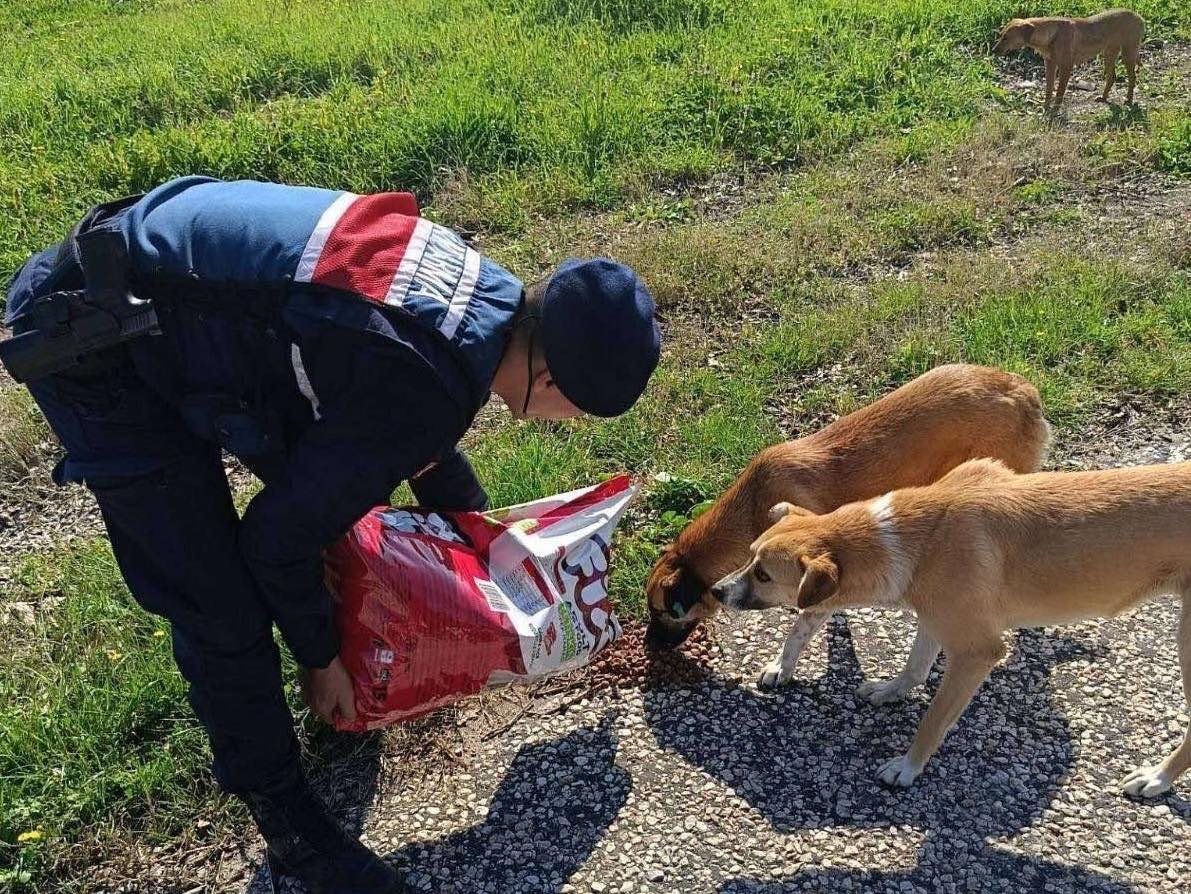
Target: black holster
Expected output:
[63,328]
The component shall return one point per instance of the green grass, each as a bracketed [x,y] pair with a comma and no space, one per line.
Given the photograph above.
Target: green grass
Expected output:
[857,257]
[22,429]
[1173,144]
[546,104]
[99,750]
[94,729]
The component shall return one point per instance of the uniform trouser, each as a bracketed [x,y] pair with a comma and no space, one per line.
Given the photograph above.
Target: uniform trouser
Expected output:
[168,510]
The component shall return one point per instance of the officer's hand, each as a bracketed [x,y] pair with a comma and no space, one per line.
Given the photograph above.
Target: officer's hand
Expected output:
[328,691]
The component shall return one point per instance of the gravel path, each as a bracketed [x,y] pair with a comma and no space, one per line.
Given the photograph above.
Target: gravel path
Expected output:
[690,780]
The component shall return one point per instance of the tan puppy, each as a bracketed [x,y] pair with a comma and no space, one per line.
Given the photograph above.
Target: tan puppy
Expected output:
[1065,43]
[912,436]
[983,551]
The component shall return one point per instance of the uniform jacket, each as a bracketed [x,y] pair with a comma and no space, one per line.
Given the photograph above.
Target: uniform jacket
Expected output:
[341,341]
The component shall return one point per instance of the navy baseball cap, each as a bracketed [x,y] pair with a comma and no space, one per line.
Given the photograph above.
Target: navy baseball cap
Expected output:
[599,335]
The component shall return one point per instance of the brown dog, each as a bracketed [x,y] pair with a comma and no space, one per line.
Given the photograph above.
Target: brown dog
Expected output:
[913,436]
[982,551]
[1065,43]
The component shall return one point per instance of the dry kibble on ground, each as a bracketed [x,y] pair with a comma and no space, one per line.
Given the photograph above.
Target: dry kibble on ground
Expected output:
[627,663]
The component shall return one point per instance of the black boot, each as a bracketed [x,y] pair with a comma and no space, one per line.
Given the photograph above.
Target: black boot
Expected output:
[307,843]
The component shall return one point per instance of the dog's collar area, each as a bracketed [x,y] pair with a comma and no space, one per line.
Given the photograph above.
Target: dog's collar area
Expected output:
[685,596]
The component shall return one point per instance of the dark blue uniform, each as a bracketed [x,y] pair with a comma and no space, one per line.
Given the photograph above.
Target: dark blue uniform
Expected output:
[338,345]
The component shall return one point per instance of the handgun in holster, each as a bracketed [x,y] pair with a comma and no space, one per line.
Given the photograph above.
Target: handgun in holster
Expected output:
[70,326]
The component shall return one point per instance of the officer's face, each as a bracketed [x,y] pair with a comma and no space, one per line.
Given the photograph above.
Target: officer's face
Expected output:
[546,401]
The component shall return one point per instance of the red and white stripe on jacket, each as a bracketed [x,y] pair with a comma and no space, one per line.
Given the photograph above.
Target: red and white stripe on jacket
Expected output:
[377,246]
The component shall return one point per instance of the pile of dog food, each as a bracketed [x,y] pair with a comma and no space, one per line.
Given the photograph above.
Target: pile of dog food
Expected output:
[628,664]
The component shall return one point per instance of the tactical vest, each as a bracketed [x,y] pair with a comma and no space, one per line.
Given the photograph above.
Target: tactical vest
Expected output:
[372,247]
[277,254]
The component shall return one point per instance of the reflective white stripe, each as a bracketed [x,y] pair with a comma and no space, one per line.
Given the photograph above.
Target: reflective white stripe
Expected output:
[409,262]
[303,380]
[439,272]
[463,293]
[314,245]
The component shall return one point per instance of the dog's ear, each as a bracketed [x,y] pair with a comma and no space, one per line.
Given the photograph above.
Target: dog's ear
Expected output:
[1041,35]
[1022,28]
[820,580]
[666,573]
[780,510]
[669,567]
[1003,37]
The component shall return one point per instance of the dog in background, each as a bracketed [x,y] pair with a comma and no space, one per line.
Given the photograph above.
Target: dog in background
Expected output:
[912,436]
[981,551]
[1065,43]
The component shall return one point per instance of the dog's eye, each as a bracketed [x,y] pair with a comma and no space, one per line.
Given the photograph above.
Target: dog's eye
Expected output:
[759,574]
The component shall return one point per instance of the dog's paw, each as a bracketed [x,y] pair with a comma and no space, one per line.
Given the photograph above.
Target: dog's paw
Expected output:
[773,677]
[899,771]
[1146,782]
[880,692]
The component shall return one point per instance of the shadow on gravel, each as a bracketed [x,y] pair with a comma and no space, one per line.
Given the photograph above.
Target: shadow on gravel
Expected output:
[990,871]
[1179,806]
[806,758]
[545,818]
[345,770]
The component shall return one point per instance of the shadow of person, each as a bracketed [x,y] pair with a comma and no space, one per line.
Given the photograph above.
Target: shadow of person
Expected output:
[806,757]
[992,870]
[547,815]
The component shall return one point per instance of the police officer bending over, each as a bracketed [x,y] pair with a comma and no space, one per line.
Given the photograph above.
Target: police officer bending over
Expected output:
[338,345]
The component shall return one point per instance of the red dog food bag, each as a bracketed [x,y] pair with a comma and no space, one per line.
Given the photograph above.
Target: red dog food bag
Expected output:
[435,606]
